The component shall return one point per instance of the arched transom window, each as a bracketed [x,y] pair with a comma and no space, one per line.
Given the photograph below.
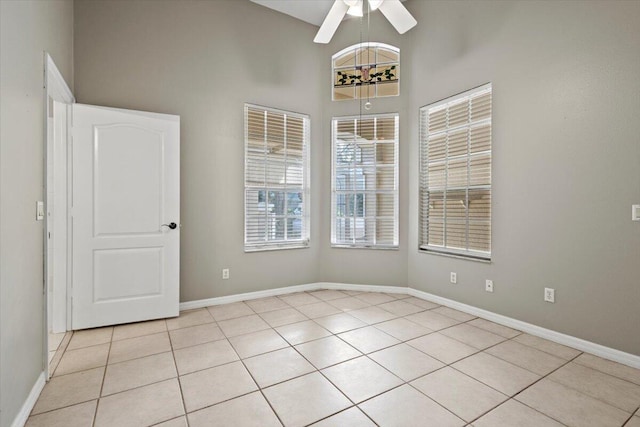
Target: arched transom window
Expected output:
[366,70]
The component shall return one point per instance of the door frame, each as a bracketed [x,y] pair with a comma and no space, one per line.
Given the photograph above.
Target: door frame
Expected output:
[54,88]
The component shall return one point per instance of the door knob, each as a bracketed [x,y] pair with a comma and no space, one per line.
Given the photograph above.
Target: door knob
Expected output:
[172,225]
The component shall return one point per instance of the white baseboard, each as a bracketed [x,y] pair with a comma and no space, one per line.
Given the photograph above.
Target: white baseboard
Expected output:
[560,338]
[21,418]
[568,340]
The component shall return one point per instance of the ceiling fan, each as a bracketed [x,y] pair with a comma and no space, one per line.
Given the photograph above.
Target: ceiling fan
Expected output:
[393,10]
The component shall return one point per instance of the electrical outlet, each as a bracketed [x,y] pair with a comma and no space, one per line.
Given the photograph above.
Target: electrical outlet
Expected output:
[488,285]
[549,295]
[454,277]
[225,273]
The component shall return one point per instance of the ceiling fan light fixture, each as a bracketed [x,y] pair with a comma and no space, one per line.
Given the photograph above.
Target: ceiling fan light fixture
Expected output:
[374,4]
[356,9]
[351,3]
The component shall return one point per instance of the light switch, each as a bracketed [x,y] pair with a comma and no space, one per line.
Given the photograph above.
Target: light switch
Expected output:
[635,213]
[39,210]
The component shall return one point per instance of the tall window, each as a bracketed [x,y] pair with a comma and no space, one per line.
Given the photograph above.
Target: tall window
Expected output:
[276,179]
[455,174]
[364,186]
[366,70]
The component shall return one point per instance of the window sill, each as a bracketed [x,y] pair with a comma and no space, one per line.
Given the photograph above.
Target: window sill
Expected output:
[274,248]
[454,255]
[384,248]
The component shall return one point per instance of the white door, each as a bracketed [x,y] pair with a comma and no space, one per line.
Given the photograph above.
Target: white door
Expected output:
[126,185]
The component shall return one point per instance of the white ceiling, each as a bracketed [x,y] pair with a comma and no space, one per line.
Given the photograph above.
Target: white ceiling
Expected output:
[311,11]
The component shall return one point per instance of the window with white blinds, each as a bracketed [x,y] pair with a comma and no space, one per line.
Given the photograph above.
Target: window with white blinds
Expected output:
[364,202]
[455,175]
[276,179]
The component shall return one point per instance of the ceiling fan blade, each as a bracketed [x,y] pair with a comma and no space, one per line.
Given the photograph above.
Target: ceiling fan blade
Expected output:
[398,15]
[331,22]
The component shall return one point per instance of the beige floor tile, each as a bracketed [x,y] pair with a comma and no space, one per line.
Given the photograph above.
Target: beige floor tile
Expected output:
[278,366]
[255,343]
[443,348]
[400,308]
[526,357]
[315,398]
[194,335]
[475,337]
[283,317]
[375,298]
[141,406]
[242,325]
[50,358]
[454,314]
[176,422]
[608,367]
[360,379]
[328,294]
[495,328]
[368,339]
[352,417]
[214,385]
[80,415]
[55,340]
[406,362]
[251,410]
[421,303]
[633,422]
[614,391]
[138,372]
[513,413]
[190,318]
[83,359]
[69,389]
[503,376]
[139,329]
[406,406]
[460,394]
[338,323]
[431,320]
[403,329]
[371,315]
[88,337]
[134,348]
[266,304]
[299,298]
[400,295]
[230,311]
[569,406]
[547,346]
[297,333]
[318,309]
[327,351]
[204,356]
[352,293]
[349,303]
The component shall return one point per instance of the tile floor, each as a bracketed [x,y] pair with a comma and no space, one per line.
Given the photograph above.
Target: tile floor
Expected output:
[331,358]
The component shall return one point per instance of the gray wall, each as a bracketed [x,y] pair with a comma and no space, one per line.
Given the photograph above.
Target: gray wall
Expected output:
[566,151]
[27,28]
[203,60]
[566,158]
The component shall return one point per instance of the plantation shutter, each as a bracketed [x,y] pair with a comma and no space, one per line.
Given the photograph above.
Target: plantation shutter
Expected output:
[276,179]
[365,181]
[455,174]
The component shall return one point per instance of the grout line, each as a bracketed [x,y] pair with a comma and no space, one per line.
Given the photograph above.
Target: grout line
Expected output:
[175,366]
[104,375]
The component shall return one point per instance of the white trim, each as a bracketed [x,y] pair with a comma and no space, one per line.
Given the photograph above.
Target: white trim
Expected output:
[21,418]
[190,305]
[560,338]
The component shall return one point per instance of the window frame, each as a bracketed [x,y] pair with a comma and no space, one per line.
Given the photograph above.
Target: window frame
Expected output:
[354,48]
[424,189]
[305,235]
[335,193]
